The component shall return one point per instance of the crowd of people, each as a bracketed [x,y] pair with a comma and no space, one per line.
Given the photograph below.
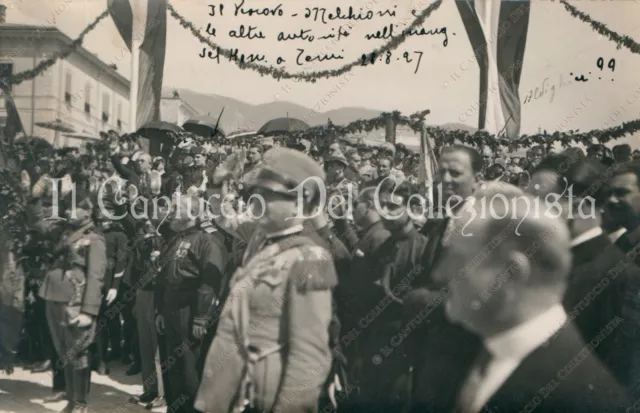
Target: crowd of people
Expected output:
[268,275]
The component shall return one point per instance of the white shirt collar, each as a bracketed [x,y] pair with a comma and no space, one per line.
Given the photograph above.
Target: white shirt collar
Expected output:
[586,236]
[521,340]
[292,230]
[614,236]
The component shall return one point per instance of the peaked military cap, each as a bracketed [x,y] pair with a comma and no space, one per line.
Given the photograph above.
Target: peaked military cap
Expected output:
[284,169]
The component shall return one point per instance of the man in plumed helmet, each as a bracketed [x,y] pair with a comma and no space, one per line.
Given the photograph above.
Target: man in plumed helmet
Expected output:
[72,290]
[280,302]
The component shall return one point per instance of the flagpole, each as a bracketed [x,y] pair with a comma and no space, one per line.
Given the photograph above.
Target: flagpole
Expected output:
[133,91]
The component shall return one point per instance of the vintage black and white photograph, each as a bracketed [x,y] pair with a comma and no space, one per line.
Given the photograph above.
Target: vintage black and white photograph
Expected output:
[305,206]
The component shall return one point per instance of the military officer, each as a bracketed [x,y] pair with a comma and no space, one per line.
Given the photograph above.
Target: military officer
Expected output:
[335,167]
[72,289]
[341,193]
[271,350]
[188,285]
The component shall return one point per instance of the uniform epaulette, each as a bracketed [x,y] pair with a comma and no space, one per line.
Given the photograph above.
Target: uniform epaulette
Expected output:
[315,275]
[209,229]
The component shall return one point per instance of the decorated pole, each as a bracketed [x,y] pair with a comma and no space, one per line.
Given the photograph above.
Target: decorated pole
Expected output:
[133,91]
[428,165]
[390,129]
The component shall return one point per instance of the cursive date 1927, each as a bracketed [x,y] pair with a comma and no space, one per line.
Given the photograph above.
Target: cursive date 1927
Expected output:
[387,57]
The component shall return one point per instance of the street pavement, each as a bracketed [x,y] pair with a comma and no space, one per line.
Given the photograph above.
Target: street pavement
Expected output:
[23,391]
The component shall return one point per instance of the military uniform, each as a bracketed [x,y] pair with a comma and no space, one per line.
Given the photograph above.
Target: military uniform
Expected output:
[279,310]
[188,286]
[271,350]
[73,286]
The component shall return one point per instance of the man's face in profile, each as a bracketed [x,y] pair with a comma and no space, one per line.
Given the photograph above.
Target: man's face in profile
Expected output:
[468,303]
[254,155]
[200,159]
[623,201]
[356,161]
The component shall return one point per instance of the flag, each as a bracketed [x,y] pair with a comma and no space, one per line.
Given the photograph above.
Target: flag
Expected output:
[497,30]
[13,125]
[12,128]
[144,22]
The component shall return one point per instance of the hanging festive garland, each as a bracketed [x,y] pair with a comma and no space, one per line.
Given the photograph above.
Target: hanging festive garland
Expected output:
[479,139]
[601,28]
[63,54]
[311,77]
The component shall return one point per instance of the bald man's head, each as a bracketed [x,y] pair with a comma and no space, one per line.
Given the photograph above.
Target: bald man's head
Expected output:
[507,264]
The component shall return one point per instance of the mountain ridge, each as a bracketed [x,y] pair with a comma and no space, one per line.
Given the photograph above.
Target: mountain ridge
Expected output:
[239,115]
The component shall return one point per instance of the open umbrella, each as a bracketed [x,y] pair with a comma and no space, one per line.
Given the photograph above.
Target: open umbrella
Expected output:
[82,136]
[158,134]
[159,128]
[245,134]
[57,126]
[283,125]
[204,126]
[34,143]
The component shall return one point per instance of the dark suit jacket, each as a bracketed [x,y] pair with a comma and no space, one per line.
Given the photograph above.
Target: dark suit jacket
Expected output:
[629,242]
[349,290]
[604,285]
[117,257]
[562,376]
[127,173]
[437,345]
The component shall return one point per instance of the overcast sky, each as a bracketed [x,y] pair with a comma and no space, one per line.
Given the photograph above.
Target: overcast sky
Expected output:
[557,46]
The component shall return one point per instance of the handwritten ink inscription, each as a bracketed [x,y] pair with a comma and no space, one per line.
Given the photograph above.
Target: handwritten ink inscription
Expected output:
[391,30]
[250,13]
[600,64]
[372,58]
[546,88]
